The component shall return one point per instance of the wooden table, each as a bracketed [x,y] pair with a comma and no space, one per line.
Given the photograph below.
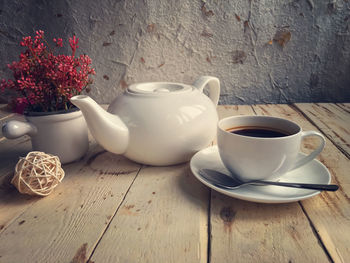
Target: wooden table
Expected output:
[110,209]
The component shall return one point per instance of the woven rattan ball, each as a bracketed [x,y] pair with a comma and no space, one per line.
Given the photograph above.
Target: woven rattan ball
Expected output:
[37,174]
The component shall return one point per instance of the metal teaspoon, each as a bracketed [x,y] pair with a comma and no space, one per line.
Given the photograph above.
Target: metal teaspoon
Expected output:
[224,181]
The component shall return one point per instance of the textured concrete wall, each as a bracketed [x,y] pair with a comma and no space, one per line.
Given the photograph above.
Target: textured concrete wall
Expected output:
[263,51]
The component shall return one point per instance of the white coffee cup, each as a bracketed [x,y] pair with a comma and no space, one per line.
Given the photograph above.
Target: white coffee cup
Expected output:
[260,158]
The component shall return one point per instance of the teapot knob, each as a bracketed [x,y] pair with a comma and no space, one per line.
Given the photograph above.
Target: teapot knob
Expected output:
[213,84]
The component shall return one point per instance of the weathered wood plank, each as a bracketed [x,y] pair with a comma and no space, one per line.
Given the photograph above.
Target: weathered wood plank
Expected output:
[232,110]
[13,204]
[250,232]
[15,209]
[329,213]
[67,224]
[332,120]
[344,106]
[163,219]
[166,191]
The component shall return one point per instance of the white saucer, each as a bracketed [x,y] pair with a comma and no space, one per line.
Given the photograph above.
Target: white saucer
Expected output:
[313,172]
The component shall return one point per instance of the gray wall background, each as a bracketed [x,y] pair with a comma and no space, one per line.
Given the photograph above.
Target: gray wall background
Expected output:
[263,51]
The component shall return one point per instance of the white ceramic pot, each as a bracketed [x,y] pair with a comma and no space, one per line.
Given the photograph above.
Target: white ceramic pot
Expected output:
[157,123]
[63,134]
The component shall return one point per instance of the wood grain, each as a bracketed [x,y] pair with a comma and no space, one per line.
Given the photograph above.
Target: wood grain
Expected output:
[344,106]
[332,120]
[163,219]
[232,110]
[86,193]
[250,232]
[109,209]
[328,212]
[13,204]
[70,221]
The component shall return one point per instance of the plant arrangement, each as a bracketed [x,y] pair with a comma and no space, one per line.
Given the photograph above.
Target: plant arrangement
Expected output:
[43,81]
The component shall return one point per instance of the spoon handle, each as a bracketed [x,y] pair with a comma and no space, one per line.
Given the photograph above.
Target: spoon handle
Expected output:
[321,187]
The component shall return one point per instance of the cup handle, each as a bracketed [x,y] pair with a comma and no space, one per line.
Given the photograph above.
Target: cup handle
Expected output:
[312,155]
[214,87]
[14,129]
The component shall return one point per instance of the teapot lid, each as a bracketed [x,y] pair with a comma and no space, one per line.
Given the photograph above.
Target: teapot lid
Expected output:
[158,88]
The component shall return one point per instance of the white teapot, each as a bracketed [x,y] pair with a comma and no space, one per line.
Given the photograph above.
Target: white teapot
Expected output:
[156,123]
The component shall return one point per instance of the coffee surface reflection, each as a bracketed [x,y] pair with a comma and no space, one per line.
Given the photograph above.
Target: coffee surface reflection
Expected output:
[260,132]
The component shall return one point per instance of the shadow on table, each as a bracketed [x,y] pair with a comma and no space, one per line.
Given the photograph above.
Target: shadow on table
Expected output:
[191,187]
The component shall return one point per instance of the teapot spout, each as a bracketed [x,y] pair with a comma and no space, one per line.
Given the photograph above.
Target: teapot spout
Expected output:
[108,129]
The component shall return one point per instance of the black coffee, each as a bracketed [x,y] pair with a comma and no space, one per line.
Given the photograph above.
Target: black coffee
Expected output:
[261,132]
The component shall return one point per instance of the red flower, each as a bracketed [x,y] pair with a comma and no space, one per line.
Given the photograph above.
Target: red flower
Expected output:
[44,81]
[59,42]
[73,44]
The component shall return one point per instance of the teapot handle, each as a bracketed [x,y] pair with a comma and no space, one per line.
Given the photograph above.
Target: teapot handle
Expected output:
[14,129]
[214,87]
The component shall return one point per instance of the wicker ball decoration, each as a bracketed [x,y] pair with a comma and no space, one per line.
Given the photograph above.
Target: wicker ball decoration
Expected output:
[37,174]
